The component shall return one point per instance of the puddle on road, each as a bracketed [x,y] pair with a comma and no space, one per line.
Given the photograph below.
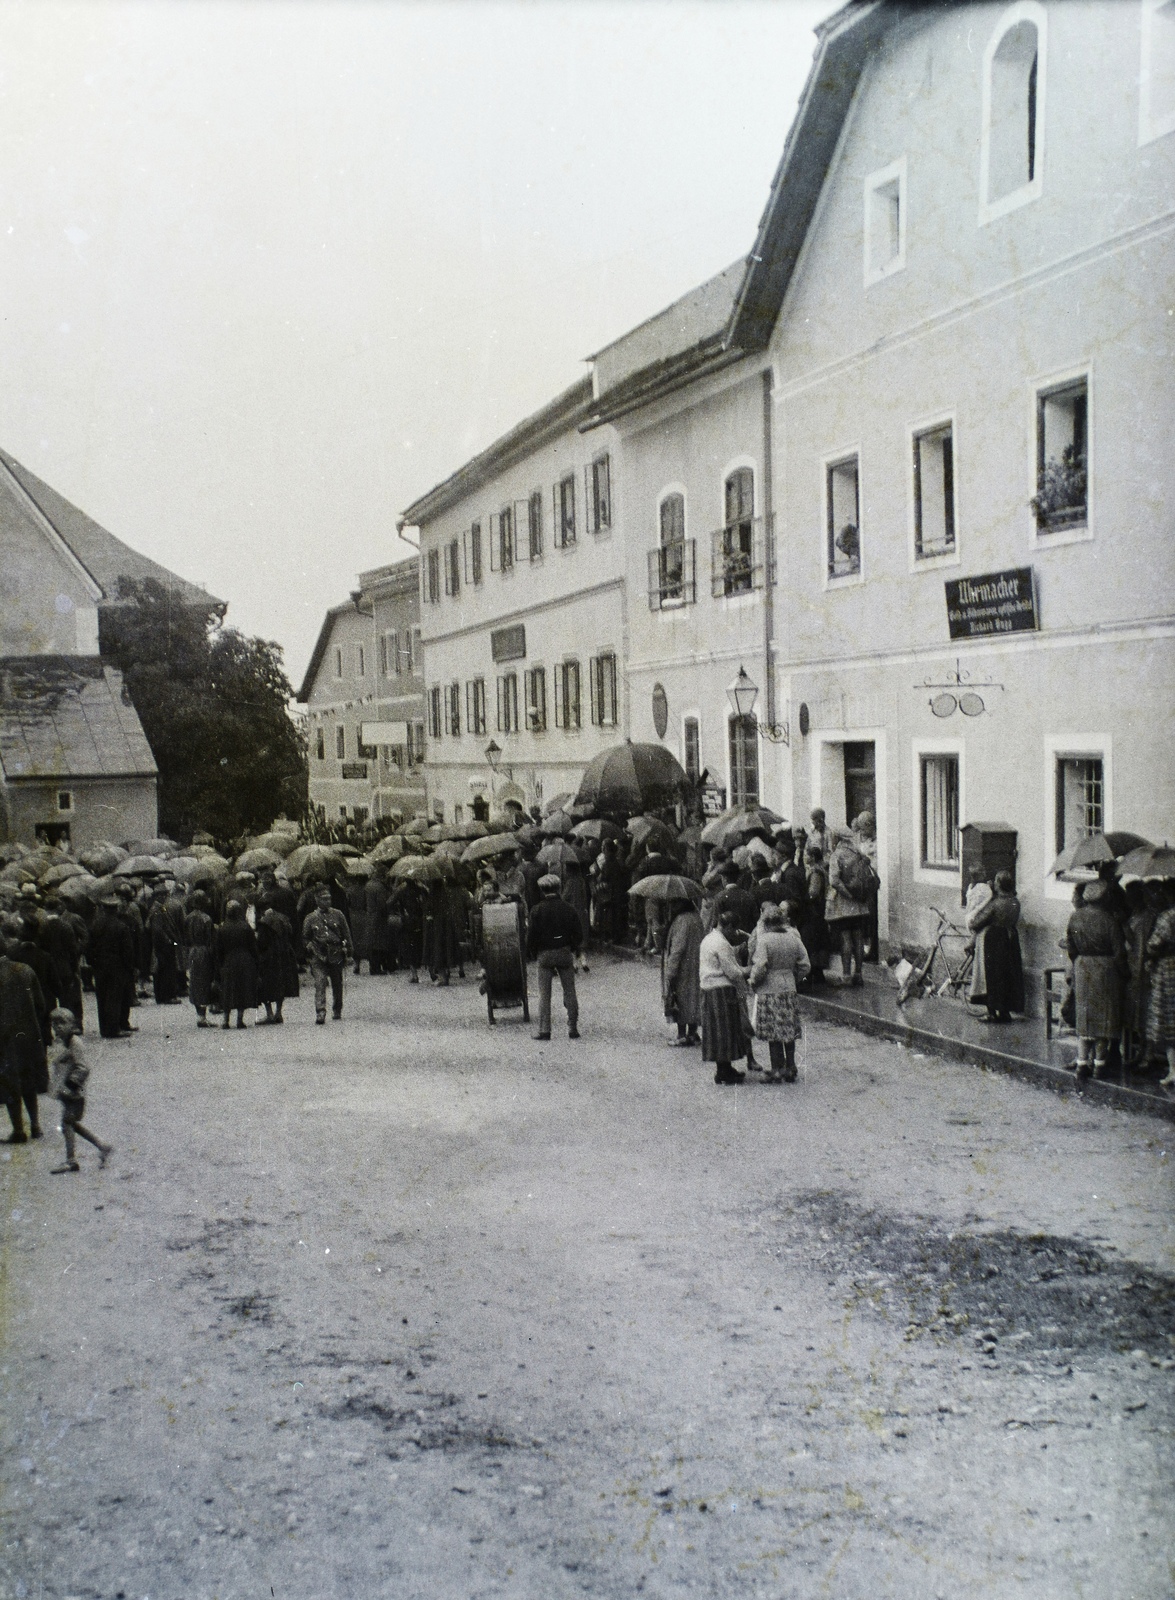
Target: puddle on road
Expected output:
[1028,1294]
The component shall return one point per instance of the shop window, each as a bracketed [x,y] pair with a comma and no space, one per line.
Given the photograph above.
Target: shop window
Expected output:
[843,518]
[1080,799]
[536,699]
[508,703]
[940,810]
[602,684]
[934,492]
[1156,108]
[565,511]
[567,701]
[744,761]
[1012,104]
[453,567]
[341,742]
[692,749]
[1062,434]
[599,495]
[885,222]
[534,525]
[475,705]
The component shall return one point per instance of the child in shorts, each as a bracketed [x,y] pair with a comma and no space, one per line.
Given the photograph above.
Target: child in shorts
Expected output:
[67,1062]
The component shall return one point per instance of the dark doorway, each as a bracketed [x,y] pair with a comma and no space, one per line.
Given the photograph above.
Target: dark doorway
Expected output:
[52,832]
[861,795]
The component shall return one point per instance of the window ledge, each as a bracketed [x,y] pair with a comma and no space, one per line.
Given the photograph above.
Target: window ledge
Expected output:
[939,876]
[1052,539]
[848,580]
[992,210]
[931,563]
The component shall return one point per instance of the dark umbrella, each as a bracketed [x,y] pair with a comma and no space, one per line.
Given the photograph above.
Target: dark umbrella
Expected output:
[557,802]
[1078,862]
[420,869]
[556,825]
[652,833]
[557,853]
[1150,862]
[739,824]
[667,886]
[630,778]
[494,844]
[595,830]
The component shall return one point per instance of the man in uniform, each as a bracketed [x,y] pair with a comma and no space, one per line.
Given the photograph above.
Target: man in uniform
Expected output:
[327,940]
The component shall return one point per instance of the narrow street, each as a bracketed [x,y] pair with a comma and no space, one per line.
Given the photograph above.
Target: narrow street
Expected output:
[410,1306]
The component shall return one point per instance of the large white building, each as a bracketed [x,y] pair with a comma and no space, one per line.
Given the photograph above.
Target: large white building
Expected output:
[909,465]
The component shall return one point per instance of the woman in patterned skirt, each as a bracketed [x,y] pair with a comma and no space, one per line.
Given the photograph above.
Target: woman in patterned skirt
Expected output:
[725,1037]
[778,962]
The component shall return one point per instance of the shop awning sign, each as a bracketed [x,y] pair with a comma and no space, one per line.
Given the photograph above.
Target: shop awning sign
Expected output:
[992,603]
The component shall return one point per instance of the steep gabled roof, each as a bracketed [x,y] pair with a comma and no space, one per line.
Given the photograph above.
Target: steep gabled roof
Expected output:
[68,717]
[320,645]
[104,557]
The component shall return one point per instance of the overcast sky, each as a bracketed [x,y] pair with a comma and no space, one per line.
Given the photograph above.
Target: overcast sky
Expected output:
[270,270]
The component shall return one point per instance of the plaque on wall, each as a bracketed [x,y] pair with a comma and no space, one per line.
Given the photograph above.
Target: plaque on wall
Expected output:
[660,710]
[354,769]
[509,644]
[994,602]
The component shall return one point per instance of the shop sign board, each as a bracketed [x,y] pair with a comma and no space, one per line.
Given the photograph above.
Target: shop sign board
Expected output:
[713,800]
[509,644]
[993,602]
[354,769]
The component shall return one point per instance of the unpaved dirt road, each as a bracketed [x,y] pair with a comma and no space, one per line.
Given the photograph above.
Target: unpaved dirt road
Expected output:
[411,1307]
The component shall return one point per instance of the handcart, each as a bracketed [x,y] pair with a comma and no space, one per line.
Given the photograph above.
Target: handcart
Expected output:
[504,957]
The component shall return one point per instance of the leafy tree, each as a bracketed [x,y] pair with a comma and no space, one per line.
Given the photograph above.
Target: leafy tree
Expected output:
[214,707]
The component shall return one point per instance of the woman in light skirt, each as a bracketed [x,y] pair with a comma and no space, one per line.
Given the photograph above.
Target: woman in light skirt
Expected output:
[779,962]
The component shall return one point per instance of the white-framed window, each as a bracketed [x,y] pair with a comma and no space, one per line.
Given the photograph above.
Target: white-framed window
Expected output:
[672,564]
[453,710]
[534,525]
[1061,434]
[473,554]
[567,696]
[602,687]
[933,502]
[475,705]
[564,508]
[598,485]
[938,808]
[743,737]
[433,586]
[453,567]
[340,742]
[842,517]
[434,712]
[338,662]
[502,540]
[736,565]
[1078,789]
[1156,78]
[691,748]
[1011,152]
[536,699]
[508,703]
[885,221]
[64,800]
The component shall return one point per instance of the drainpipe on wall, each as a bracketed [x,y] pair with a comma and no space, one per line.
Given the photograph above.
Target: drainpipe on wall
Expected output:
[768,553]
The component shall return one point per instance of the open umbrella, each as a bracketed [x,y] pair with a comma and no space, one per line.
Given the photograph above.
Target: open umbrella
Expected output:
[154,847]
[738,824]
[668,886]
[450,850]
[313,861]
[435,834]
[556,825]
[18,872]
[255,860]
[56,875]
[203,851]
[558,802]
[140,867]
[528,833]
[360,867]
[468,830]
[652,833]
[630,778]
[390,848]
[755,850]
[1151,862]
[494,844]
[594,830]
[80,889]
[419,824]
[208,869]
[1078,862]
[557,853]
[12,851]
[279,840]
[102,857]
[420,869]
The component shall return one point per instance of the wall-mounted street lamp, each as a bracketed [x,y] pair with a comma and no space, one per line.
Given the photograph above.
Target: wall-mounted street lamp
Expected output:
[493,754]
[743,693]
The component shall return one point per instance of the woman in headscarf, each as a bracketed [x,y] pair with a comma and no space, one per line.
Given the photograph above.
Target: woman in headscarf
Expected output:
[198,940]
[235,953]
[1096,948]
[778,963]
[845,915]
[680,989]
[277,966]
[998,977]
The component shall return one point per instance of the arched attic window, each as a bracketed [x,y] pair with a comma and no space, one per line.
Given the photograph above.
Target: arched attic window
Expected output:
[1013,111]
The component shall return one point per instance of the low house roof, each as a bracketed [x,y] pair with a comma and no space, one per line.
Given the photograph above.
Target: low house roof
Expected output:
[68,717]
[104,557]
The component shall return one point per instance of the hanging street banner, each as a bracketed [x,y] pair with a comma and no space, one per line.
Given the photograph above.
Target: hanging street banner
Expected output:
[994,602]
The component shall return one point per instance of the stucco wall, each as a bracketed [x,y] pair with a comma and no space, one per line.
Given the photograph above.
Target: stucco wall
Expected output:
[120,809]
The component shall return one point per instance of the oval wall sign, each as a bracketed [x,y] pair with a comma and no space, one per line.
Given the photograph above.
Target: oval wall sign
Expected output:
[660,710]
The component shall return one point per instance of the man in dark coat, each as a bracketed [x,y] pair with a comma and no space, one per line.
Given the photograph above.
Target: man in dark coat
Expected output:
[112,961]
[23,1069]
[554,935]
[737,900]
[376,898]
[58,939]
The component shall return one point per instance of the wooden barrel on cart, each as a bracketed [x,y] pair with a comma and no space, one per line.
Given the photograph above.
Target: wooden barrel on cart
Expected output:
[504,958]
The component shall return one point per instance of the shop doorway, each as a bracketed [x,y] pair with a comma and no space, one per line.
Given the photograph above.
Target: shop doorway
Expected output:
[861,795]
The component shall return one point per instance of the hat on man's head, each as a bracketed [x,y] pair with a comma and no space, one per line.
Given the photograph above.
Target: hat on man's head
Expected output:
[549,882]
[771,915]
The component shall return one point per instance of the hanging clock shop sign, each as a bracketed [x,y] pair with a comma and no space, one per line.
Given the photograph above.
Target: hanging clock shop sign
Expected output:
[660,710]
[994,602]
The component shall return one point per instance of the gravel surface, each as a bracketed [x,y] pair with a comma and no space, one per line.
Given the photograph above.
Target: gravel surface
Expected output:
[409,1306]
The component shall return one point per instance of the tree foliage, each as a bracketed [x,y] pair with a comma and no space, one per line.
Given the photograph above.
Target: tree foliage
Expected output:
[214,707]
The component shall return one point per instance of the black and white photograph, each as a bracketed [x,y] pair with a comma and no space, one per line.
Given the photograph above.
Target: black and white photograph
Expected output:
[597,577]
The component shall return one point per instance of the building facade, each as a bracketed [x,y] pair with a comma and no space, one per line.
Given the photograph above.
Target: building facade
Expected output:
[364,694]
[523,614]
